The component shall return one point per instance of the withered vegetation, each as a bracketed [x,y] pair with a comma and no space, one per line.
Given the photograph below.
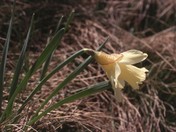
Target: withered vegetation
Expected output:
[146,25]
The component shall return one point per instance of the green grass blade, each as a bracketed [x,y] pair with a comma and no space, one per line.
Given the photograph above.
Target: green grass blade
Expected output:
[20,61]
[59,23]
[4,57]
[45,67]
[46,64]
[38,87]
[92,90]
[41,59]
[70,18]
[68,79]
[48,50]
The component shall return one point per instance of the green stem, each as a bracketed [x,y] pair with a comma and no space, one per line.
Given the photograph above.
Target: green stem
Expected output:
[67,80]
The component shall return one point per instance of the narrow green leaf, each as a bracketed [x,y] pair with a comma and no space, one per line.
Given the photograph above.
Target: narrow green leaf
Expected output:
[70,18]
[4,57]
[41,59]
[87,92]
[47,51]
[59,24]
[46,64]
[20,61]
[67,80]
[61,65]
[45,67]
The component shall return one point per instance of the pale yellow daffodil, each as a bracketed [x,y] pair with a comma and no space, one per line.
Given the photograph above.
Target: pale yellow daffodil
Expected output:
[119,68]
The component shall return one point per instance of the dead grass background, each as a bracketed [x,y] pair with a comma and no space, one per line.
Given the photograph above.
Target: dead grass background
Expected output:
[147,25]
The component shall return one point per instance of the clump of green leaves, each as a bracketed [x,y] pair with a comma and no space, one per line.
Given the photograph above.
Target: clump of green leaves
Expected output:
[9,115]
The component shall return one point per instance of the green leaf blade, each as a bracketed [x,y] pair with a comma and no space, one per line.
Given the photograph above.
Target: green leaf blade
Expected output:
[41,59]
[68,79]
[87,92]
[38,87]
[20,61]
[4,57]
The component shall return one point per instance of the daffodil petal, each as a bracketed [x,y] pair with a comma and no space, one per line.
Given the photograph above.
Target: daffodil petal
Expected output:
[117,91]
[133,75]
[110,70]
[120,83]
[119,69]
[113,71]
[117,73]
[132,57]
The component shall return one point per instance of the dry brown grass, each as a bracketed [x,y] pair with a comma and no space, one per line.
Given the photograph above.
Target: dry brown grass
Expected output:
[152,108]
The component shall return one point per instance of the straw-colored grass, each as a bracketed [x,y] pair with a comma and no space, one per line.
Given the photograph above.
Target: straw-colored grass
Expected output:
[145,25]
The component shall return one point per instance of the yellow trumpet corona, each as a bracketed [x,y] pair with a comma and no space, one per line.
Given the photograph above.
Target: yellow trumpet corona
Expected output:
[119,68]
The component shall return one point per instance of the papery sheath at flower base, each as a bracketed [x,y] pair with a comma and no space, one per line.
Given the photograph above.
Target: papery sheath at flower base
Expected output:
[119,69]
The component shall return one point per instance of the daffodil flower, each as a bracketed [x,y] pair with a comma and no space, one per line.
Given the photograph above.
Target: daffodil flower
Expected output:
[119,68]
